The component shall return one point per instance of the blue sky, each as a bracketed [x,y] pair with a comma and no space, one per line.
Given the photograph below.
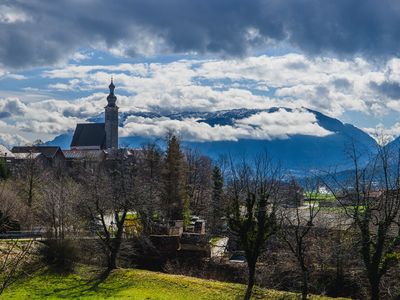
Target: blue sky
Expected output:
[56,60]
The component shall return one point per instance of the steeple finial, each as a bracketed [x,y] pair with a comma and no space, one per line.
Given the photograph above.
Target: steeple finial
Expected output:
[111,99]
[111,86]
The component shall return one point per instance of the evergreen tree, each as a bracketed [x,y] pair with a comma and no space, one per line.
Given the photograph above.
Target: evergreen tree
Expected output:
[4,170]
[217,199]
[174,193]
[150,166]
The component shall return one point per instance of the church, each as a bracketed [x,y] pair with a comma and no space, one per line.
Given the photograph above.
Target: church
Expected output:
[91,142]
[99,136]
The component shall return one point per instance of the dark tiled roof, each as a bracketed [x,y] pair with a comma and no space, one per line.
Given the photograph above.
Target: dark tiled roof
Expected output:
[47,151]
[84,154]
[89,134]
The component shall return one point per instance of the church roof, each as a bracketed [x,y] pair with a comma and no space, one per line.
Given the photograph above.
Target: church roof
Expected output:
[89,134]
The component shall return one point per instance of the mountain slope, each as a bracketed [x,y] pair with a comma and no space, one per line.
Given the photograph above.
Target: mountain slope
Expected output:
[297,152]
[394,145]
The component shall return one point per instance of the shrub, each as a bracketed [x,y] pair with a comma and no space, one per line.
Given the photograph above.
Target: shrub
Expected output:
[59,255]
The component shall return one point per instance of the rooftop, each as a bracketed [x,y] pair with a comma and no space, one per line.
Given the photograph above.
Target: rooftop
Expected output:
[89,135]
[4,152]
[84,154]
[47,151]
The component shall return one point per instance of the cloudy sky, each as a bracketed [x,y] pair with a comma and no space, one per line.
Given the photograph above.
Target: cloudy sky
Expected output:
[339,57]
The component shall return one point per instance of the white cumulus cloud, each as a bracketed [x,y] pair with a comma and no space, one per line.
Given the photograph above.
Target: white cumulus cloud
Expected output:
[280,124]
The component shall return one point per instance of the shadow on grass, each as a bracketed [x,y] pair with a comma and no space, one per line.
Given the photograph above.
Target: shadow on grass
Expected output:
[96,281]
[88,287]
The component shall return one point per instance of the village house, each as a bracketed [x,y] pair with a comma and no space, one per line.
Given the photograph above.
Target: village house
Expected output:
[6,154]
[48,156]
[83,158]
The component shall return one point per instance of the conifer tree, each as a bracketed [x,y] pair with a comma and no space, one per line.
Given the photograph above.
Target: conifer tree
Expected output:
[150,181]
[4,170]
[217,199]
[174,194]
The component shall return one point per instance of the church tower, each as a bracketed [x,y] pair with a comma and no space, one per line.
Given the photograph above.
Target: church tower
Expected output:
[111,119]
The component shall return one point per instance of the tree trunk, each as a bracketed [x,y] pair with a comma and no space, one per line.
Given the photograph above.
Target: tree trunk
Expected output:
[30,192]
[250,283]
[115,244]
[112,259]
[304,291]
[375,290]
[114,249]
[339,271]
[374,280]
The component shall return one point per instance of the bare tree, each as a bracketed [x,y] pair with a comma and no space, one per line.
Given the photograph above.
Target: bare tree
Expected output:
[199,176]
[370,197]
[14,254]
[111,193]
[56,210]
[29,177]
[297,224]
[252,190]
[11,210]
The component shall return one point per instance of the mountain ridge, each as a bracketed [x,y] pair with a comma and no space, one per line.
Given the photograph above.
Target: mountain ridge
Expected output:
[297,152]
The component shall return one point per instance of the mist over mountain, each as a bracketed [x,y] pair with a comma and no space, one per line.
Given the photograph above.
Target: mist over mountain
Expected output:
[299,153]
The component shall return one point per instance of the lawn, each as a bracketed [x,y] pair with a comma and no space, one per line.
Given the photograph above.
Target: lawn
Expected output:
[131,284]
[319,196]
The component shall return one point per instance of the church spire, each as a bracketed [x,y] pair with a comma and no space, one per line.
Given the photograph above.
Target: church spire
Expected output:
[111,119]
[111,99]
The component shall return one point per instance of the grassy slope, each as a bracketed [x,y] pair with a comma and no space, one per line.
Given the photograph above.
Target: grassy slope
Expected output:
[131,284]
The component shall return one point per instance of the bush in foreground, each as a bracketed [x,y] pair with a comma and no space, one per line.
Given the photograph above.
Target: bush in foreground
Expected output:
[59,255]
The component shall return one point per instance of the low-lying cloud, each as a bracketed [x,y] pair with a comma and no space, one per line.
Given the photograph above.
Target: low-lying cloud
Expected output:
[280,124]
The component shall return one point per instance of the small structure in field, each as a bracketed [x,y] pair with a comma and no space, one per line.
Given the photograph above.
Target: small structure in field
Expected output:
[191,237]
[218,246]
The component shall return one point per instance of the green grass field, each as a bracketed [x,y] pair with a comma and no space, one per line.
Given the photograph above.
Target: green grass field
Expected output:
[131,284]
[319,196]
